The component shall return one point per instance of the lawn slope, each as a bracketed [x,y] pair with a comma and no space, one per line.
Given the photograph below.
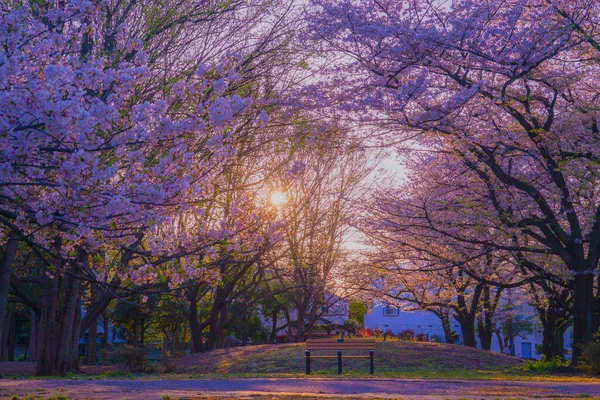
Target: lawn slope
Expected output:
[396,358]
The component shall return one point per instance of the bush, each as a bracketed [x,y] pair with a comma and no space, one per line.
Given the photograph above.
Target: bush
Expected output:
[421,337]
[556,364]
[378,333]
[169,364]
[357,310]
[589,360]
[388,334]
[407,335]
[539,348]
[351,325]
[437,339]
[134,359]
[364,333]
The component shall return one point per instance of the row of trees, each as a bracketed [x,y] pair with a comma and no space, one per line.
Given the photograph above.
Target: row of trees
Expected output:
[499,103]
[140,143]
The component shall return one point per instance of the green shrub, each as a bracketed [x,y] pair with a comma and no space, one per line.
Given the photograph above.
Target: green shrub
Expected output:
[589,361]
[554,364]
[134,359]
[351,325]
[357,310]
[539,348]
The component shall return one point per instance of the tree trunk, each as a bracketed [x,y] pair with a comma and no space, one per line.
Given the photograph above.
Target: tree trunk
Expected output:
[105,334]
[34,334]
[46,363]
[183,340]
[274,327]
[68,340]
[10,252]
[76,336]
[90,346]
[142,331]
[165,347]
[485,333]
[583,309]
[176,342]
[61,315]
[90,354]
[467,326]
[4,337]
[192,295]
[12,336]
[500,341]
[554,322]
[444,316]
[221,328]
[300,324]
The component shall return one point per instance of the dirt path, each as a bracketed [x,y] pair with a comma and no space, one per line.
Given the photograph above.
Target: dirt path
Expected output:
[237,388]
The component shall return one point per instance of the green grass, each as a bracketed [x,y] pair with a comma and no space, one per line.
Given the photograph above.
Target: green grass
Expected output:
[393,359]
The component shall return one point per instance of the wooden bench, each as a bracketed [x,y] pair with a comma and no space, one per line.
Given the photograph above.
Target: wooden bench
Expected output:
[339,346]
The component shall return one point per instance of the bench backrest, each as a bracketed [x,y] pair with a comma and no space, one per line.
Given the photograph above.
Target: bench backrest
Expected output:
[347,344]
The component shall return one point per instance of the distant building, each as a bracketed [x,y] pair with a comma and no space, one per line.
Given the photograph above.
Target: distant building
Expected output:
[388,317]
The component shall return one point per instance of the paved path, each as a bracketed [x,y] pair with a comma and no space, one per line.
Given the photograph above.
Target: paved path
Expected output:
[236,388]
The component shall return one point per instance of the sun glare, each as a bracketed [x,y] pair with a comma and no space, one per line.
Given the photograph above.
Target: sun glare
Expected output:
[277,198]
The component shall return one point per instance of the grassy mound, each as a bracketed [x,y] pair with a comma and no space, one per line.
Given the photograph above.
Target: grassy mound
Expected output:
[397,358]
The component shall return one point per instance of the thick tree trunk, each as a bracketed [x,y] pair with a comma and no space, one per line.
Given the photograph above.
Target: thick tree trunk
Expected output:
[448,334]
[485,333]
[4,336]
[12,336]
[554,322]
[465,314]
[444,316]
[69,320]
[90,354]
[75,334]
[485,323]
[60,317]
[90,346]
[213,332]
[312,319]
[467,326]
[46,363]
[34,334]
[300,324]
[6,267]
[221,328]
[583,310]
[193,319]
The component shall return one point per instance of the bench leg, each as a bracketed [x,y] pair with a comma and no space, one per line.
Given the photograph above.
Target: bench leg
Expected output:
[372,367]
[339,353]
[307,353]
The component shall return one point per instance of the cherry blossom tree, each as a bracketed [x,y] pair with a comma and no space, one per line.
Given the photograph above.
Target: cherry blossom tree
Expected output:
[506,85]
[103,151]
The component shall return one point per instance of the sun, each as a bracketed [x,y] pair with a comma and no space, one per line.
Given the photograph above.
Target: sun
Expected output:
[277,198]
